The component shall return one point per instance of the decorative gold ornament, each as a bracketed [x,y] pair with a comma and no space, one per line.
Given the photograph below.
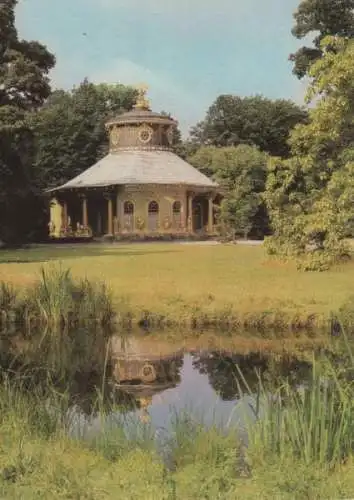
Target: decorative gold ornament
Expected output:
[148,374]
[140,223]
[145,134]
[115,136]
[167,223]
[141,101]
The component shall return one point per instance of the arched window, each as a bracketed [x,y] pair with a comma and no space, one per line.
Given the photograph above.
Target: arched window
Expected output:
[153,216]
[128,216]
[176,215]
[128,208]
[176,208]
[153,207]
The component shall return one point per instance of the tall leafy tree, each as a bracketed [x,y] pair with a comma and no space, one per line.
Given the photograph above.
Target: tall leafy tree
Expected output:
[177,143]
[241,174]
[257,121]
[310,196]
[320,18]
[70,131]
[24,86]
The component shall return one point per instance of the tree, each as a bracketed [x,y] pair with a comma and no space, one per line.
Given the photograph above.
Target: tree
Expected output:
[322,17]
[310,197]
[257,121]
[70,132]
[24,86]
[241,173]
[224,372]
[177,143]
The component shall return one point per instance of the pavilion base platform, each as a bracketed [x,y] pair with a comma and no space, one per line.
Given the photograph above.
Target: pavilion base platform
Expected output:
[136,237]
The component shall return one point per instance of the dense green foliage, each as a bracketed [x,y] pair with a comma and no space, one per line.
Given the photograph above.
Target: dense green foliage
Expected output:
[257,121]
[322,18]
[70,132]
[310,196]
[241,174]
[24,86]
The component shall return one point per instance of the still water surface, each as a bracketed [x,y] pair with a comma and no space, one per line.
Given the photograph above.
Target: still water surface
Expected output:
[157,380]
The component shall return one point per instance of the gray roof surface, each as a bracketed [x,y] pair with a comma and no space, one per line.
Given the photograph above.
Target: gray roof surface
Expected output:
[139,167]
[139,115]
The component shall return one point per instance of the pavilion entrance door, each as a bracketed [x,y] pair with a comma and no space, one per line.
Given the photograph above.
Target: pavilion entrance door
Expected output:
[98,217]
[197,217]
[200,213]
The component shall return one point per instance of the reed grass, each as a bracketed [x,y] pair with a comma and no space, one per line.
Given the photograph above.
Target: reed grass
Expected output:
[313,423]
[56,299]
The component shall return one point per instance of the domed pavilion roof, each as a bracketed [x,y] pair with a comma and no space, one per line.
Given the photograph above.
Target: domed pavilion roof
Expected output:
[140,153]
[140,167]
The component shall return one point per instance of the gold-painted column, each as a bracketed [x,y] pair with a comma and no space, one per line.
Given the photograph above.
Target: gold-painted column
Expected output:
[118,213]
[110,217]
[65,214]
[190,213]
[84,212]
[210,215]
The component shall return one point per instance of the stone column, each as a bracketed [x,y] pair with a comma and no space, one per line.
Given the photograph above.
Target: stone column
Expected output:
[190,213]
[118,213]
[110,217]
[65,214]
[210,214]
[84,212]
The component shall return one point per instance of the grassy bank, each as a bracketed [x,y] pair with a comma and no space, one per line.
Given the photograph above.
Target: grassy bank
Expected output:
[301,448]
[191,286]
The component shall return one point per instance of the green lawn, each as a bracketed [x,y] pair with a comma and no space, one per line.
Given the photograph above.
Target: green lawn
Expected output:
[181,282]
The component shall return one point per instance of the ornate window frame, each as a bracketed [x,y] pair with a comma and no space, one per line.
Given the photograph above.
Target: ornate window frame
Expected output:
[153,215]
[153,212]
[147,131]
[179,210]
[130,202]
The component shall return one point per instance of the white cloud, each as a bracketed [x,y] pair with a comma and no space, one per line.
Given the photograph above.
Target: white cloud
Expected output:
[164,93]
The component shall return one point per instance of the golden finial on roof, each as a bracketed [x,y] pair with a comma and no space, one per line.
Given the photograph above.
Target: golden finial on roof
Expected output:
[145,402]
[141,101]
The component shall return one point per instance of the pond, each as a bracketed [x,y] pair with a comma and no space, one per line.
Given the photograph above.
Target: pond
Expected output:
[156,380]
[150,378]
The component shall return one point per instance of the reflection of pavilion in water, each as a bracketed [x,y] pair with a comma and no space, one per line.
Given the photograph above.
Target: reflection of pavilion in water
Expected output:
[140,373]
[143,368]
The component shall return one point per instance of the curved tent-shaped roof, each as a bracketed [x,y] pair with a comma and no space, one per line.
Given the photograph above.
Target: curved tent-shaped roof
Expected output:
[139,167]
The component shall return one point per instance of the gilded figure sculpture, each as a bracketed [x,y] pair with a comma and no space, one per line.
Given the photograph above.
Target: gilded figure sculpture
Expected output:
[142,102]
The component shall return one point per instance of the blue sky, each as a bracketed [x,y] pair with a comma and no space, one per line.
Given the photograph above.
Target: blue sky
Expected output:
[187,51]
